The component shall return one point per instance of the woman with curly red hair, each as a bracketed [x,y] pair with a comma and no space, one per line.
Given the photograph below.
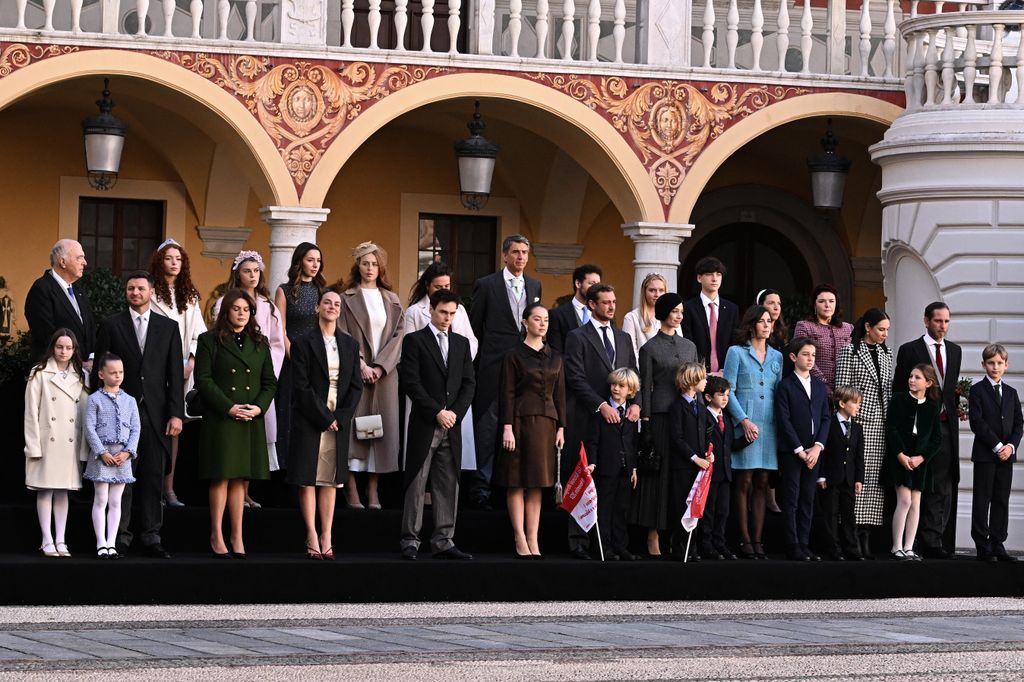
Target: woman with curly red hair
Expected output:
[177,298]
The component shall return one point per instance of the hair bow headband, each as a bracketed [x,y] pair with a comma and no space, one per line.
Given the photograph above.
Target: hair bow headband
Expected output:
[168,242]
[248,255]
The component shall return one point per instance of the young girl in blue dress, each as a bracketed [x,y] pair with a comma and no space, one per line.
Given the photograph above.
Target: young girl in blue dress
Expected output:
[112,430]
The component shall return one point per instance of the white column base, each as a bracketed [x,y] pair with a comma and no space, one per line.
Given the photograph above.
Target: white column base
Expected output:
[289,227]
[656,249]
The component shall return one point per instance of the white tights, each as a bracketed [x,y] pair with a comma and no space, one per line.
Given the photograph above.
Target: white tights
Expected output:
[106,512]
[904,520]
[52,505]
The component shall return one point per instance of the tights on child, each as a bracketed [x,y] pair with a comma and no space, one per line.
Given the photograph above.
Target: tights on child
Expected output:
[905,518]
[52,504]
[106,512]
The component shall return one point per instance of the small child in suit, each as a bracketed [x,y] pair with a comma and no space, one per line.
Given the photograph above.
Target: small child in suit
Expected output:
[842,475]
[720,436]
[688,435]
[998,425]
[611,451]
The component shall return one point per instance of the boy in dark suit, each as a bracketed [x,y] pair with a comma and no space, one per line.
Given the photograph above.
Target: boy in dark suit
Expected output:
[998,425]
[708,320]
[611,451]
[720,436]
[688,434]
[802,418]
[842,475]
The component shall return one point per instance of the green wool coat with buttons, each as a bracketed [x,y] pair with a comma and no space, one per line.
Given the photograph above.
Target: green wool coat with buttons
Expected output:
[227,376]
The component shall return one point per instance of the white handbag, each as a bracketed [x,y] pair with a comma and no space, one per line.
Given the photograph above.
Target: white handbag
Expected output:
[369,427]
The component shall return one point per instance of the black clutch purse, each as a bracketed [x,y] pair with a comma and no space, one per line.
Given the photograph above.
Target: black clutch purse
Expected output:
[193,404]
[648,460]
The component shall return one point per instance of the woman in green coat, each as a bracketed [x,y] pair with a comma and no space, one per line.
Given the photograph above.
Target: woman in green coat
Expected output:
[235,378]
[912,439]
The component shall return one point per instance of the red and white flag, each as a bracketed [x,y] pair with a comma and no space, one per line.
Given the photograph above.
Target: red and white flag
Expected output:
[580,496]
[698,496]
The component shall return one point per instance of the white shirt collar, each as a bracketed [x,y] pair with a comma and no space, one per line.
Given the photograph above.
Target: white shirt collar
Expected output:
[929,342]
[509,276]
[611,401]
[705,300]
[715,413]
[434,331]
[578,306]
[144,316]
[1000,383]
[60,280]
[598,325]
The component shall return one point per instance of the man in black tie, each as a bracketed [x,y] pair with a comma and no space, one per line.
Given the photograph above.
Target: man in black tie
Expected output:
[150,346]
[436,373]
[54,301]
[591,353]
[496,314]
[574,312]
[936,538]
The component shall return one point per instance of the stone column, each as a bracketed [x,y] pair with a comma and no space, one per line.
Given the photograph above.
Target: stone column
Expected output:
[663,32]
[289,227]
[655,249]
[482,27]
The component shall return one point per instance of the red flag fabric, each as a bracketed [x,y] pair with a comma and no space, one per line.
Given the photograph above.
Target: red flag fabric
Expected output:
[580,496]
[698,496]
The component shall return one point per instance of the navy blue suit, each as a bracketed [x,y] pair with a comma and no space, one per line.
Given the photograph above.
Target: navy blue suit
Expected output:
[688,435]
[801,422]
[842,467]
[612,449]
[716,509]
[993,421]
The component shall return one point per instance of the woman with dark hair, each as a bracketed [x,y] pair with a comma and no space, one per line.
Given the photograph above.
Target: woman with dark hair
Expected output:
[296,301]
[660,358]
[248,274]
[175,297]
[867,364]
[753,369]
[372,314]
[435,277]
[772,302]
[327,388]
[235,378]
[827,330]
[531,410]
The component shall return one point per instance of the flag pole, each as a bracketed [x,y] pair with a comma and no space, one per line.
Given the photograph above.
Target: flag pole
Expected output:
[600,547]
[689,537]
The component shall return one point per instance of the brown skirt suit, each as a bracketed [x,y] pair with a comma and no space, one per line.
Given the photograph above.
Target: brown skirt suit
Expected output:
[532,400]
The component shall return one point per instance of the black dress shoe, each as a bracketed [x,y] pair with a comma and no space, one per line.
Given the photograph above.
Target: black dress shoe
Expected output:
[238,555]
[523,557]
[223,555]
[935,553]
[797,555]
[580,553]
[712,554]
[156,551]
[453,553]
[611,556]
[628,556]
[811,556]
[987,556]
[480,504]
[1003,556]
[677,556]
[409,553]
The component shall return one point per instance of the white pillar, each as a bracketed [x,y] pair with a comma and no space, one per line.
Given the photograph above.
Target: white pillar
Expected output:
[304,23]
[655,249]
[289,227]
[482,28]
[663,35]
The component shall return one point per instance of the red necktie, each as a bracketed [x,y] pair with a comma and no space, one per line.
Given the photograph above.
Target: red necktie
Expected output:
[938,361]
[713,328]
[721,423]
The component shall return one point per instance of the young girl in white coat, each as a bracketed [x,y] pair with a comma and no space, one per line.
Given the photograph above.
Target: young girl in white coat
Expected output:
[54,444]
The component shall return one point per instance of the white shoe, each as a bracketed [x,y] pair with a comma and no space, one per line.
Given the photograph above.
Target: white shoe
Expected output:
[49,550]
[62,550]
[909,554]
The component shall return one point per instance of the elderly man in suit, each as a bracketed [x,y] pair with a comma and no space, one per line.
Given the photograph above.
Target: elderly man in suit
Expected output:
[592,351]
[496,315]
[150,346]
[436,374]
[574,312]
[937,536]
[56,300]
[708,319]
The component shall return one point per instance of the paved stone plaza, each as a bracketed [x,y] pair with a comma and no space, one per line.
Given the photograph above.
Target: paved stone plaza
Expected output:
[981,639]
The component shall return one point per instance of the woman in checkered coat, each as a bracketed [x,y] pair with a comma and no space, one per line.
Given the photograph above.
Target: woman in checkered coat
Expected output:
[867,364]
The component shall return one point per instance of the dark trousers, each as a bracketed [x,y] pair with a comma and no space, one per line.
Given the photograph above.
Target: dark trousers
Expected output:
[485,435]
[798,486]
[837,504]
[612,507]
[682,481]
[937,510]
[440,471]
[990,508]
[716,515]
[144,495]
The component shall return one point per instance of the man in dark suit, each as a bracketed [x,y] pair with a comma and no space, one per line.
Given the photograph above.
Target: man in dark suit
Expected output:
[998,426]
[573,312]
[709,320]
[936,538]
[802,415]
[58,300]
[436,373]
[496,315]
[150,347]
[591,353]
[720,436]
[841,475]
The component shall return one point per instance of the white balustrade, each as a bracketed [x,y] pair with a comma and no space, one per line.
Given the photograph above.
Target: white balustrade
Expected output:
[889,39]
[619,31]
[542,28]
[141,14]
[250,20]
[76,16]
[348,19]
[20,7]
[806,26]
[732,32]
[568,28]
[593,29]
[782,35]
[223,8]
[454,23]
[708,34]
[401,22]
[48,6]
[373,19]
[196,9]
[427,24]
[515,24]
[865,37]
[757,34]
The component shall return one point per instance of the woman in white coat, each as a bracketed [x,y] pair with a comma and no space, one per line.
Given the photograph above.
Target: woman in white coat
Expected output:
[177,298]
[417,316]
[55,400]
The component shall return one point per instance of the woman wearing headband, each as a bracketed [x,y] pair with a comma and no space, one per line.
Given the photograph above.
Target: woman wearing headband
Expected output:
[177,298]
[248,273]
[372,314]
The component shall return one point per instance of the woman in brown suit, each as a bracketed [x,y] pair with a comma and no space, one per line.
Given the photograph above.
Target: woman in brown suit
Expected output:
[532,410]
[372,315]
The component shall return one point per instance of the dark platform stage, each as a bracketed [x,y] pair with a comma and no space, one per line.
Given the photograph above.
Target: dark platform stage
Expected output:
[369,569]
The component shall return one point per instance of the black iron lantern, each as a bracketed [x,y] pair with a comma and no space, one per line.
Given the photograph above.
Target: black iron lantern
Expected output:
[104,140]
[828,173]
[476,156]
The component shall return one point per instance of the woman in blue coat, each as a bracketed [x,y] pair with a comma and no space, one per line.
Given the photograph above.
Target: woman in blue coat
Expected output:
[753,370]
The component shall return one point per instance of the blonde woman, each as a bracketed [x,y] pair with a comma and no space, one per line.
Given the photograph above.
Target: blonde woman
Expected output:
[640,323]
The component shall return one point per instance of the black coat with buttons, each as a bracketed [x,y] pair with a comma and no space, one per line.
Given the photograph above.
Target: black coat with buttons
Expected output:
[843,457]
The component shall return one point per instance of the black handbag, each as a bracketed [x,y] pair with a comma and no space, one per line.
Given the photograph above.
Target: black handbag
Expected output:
[193,399]
[648,460]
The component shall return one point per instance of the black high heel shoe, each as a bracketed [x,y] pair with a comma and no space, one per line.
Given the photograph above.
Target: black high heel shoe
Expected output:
[747,550]
[759,551]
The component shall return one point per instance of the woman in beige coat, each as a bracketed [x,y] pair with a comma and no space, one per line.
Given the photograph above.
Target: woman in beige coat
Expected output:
[372,315]
[55,399]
